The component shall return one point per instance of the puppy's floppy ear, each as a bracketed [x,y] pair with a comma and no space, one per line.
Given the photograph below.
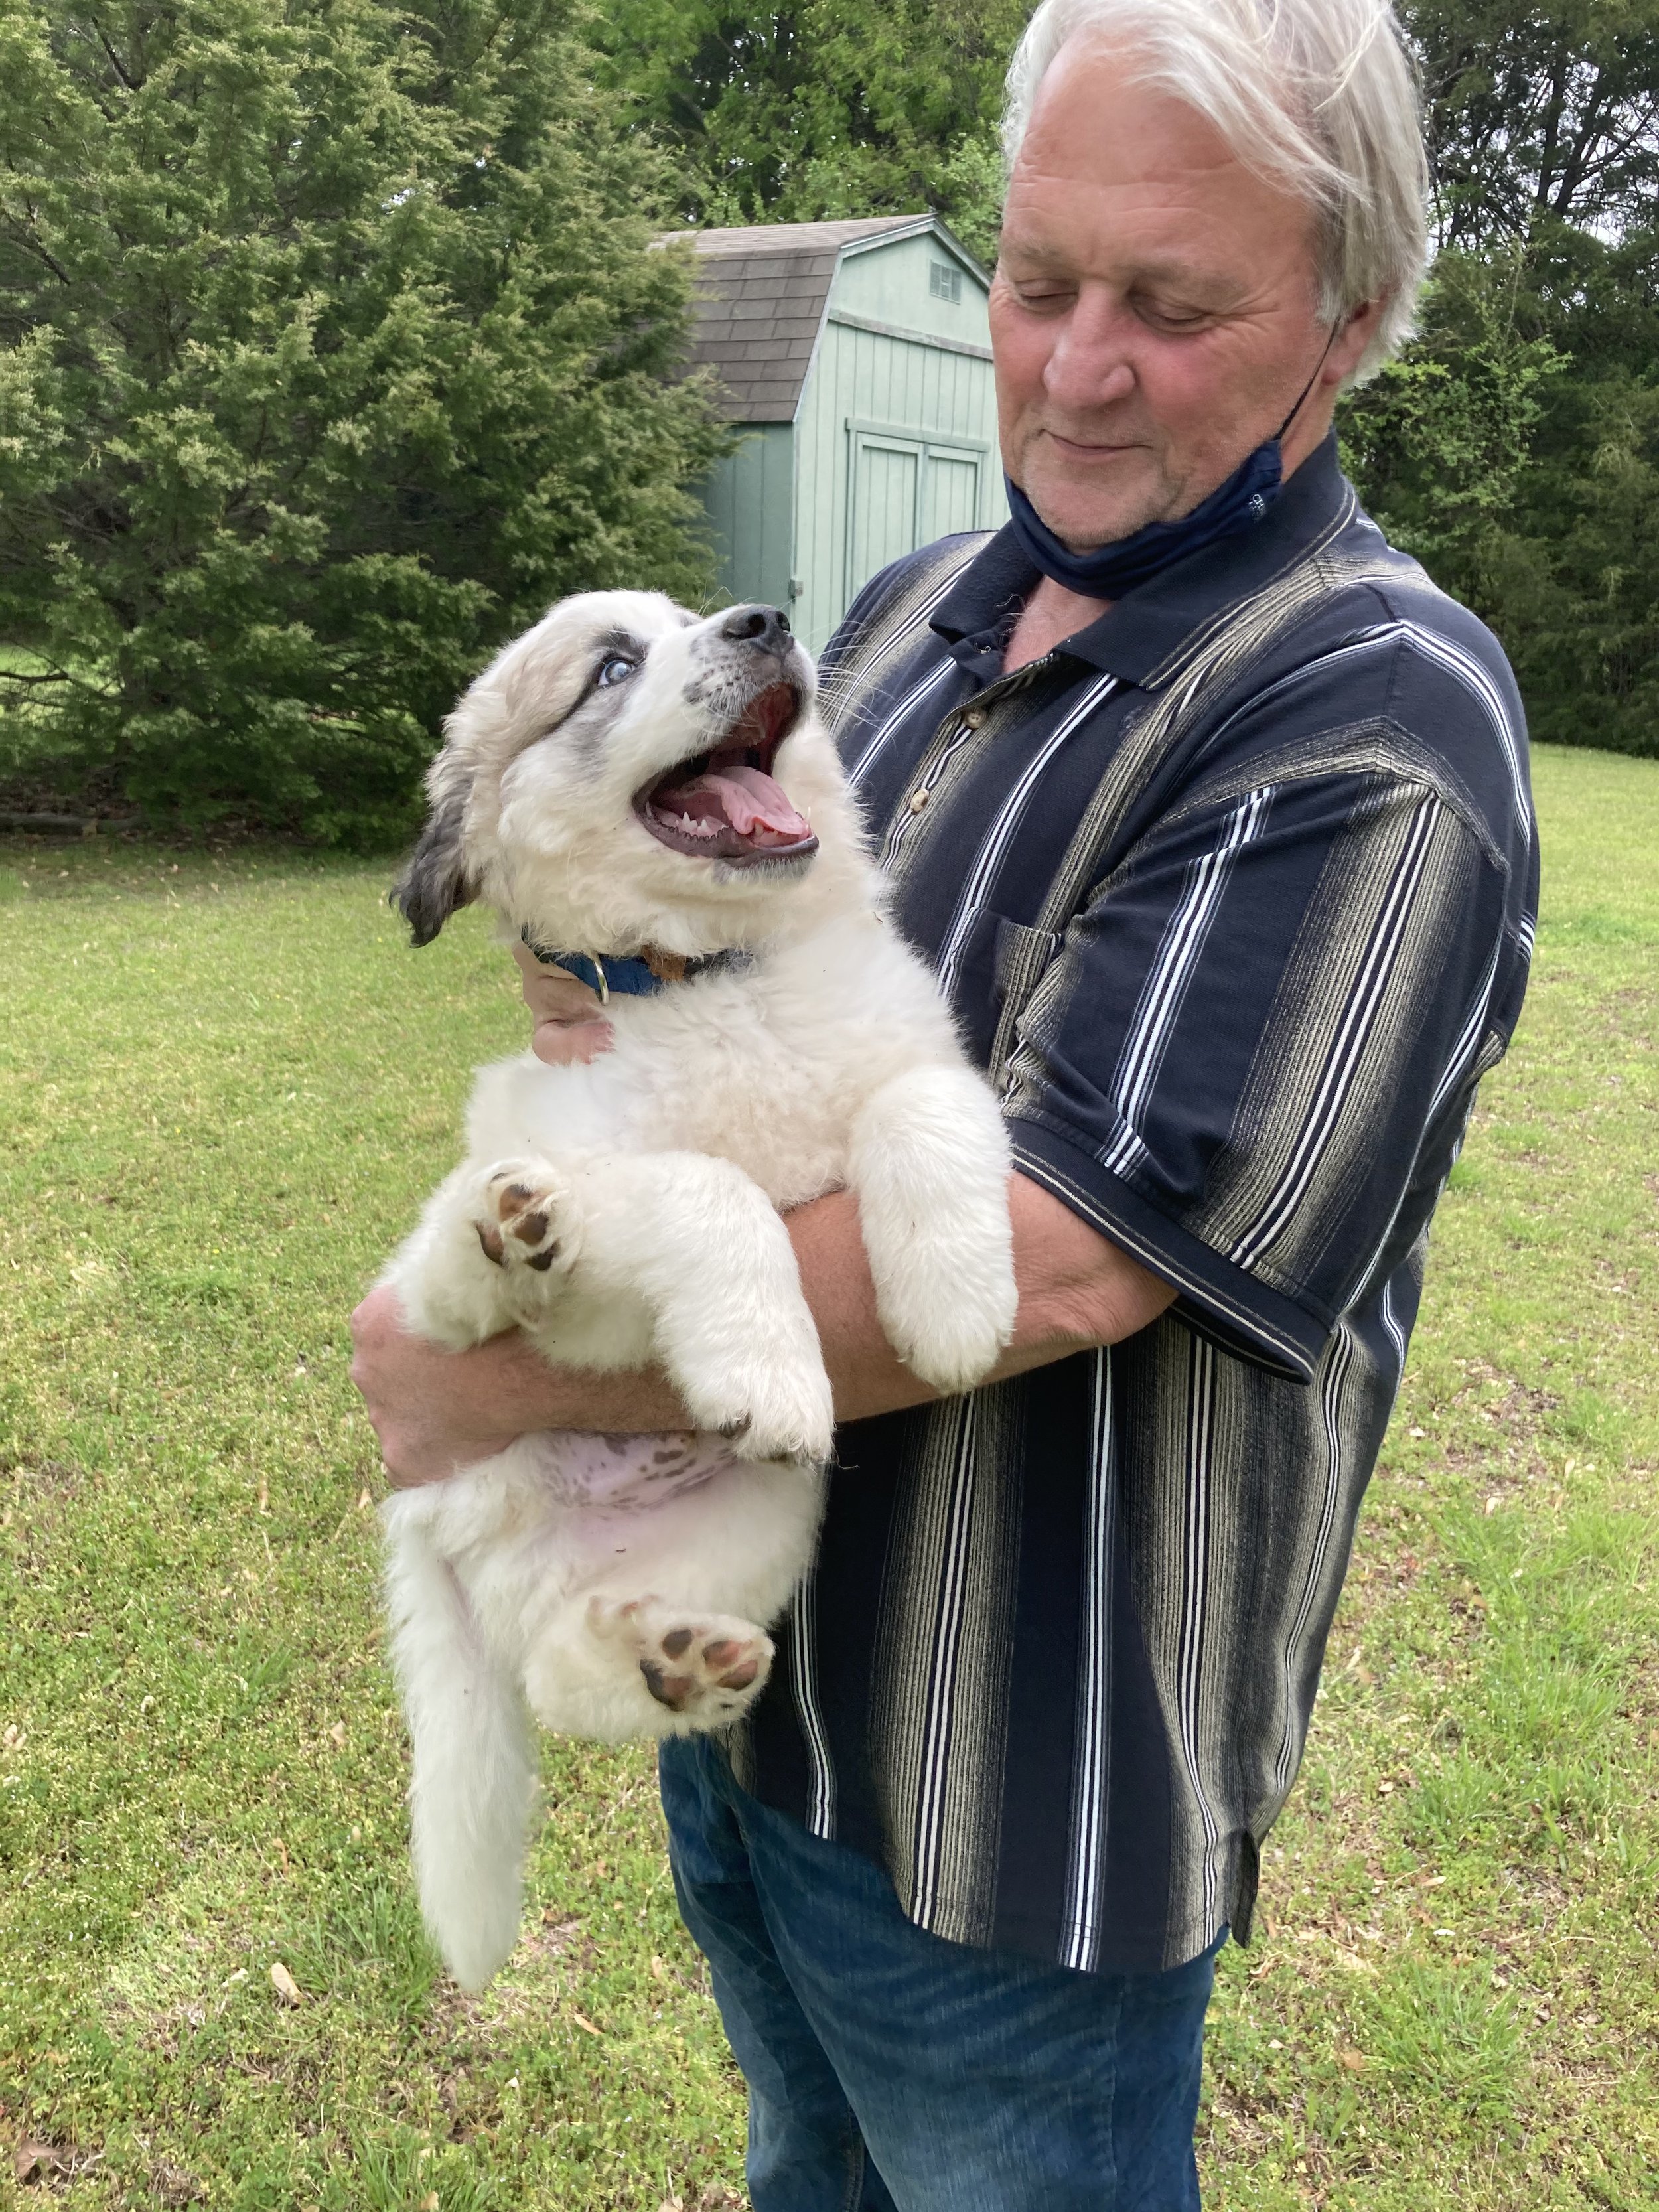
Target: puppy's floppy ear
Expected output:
[435,882]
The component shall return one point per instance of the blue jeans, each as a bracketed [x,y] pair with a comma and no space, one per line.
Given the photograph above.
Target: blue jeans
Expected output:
[891,2071]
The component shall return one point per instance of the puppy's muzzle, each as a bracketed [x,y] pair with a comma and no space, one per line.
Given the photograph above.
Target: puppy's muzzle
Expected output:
[724,803]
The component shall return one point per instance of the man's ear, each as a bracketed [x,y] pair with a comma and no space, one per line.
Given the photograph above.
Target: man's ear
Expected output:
[435,882]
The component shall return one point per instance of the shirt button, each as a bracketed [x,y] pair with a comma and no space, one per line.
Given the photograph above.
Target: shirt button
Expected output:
[974,717]
[918,800]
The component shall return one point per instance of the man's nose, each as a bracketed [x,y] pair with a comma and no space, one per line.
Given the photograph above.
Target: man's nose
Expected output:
[768,628]
[1090,364]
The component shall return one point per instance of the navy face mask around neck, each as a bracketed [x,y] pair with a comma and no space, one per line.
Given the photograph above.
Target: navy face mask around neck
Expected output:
[1109,571]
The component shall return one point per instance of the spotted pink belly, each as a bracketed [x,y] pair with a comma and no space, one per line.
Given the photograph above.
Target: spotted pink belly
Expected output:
[620,1473]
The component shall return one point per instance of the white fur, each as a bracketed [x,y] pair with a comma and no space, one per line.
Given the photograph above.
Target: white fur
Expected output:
[554,1575]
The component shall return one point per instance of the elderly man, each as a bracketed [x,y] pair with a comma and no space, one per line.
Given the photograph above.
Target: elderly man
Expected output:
[1214,817]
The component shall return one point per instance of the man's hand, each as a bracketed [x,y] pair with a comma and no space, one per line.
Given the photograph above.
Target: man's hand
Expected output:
[436,1411]
[569,1022]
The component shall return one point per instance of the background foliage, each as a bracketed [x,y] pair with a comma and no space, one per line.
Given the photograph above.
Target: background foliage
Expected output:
[829,108]
[1515,450]
[331,349]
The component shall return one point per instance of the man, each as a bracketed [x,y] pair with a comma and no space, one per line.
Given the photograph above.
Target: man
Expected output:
[1213,816]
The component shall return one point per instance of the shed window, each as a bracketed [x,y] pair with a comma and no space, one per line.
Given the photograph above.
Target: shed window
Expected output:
[945,283]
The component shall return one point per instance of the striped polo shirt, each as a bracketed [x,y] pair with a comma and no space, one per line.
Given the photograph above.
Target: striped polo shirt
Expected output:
[1233,895]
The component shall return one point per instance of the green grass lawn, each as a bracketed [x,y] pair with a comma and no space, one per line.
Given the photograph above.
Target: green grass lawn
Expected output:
[224,1084]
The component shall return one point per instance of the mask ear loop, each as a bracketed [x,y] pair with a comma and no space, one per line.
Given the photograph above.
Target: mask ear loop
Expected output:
[1337,329]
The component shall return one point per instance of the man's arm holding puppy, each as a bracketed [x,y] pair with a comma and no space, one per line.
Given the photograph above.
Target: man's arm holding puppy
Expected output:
[434,1411]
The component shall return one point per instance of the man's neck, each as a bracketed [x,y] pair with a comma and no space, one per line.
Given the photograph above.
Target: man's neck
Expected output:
[1050,615]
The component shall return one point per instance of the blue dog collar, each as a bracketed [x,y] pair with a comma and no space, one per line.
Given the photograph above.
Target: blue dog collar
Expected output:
[639,976]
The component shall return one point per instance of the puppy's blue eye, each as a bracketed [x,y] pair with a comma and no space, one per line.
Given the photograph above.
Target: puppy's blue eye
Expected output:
[616,669]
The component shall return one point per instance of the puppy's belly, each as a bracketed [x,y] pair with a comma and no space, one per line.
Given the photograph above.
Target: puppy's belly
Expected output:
[622,1473]
[558,1518]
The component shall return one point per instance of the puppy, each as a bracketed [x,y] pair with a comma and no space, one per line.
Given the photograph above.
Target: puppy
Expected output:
[648,801]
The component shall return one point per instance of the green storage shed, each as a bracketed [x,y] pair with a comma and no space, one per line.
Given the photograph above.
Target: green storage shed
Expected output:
[856,358]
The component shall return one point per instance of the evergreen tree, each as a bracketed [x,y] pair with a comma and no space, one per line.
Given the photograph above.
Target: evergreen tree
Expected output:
[826,108]
[332,348]
[1442,442]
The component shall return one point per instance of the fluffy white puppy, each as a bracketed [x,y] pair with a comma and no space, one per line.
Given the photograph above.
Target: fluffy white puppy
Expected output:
[648,799]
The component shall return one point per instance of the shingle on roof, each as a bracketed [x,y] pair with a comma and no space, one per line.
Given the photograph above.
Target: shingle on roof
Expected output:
[758,298]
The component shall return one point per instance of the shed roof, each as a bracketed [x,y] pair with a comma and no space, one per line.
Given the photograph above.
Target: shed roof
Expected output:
[759,295]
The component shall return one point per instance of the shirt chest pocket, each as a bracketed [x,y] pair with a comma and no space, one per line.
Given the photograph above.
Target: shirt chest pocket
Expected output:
[999,966]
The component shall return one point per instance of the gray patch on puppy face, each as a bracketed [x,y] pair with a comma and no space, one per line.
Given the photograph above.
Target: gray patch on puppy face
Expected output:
[583,722]
[435,882]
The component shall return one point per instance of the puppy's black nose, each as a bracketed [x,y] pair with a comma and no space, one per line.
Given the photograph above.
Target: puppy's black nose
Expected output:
[765,627]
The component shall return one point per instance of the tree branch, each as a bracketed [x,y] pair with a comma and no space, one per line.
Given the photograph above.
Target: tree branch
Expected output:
[27,238]
[114,58]
[1553,114]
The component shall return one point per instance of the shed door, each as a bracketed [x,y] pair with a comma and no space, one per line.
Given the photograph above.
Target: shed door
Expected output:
[882,525]
[949,498]
[904,492]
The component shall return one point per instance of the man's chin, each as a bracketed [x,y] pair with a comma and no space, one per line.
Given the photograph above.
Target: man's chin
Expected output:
[1085,516]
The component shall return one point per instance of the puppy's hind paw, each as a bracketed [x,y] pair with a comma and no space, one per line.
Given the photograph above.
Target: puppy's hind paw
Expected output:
[703,1668]
[526,1221]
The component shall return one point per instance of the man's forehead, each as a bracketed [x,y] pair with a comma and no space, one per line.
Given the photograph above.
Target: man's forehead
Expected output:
[1112,164]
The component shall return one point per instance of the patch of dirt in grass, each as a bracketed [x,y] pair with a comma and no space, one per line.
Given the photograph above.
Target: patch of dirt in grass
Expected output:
[164,2032]
[175,2186]
[556,1938]
[451,2016]
[1233,2109]
[53,1481]
[1517,1419]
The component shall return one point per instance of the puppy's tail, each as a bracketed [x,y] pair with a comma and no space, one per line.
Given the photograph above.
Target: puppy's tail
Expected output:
[470,1792]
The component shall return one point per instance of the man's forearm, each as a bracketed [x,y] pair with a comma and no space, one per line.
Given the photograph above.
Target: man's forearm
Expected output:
[1074,1290]
[507,1387]
[436,1411]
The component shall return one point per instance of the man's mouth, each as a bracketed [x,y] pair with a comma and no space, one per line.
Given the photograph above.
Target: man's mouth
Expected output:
[723,805]
[1086,449]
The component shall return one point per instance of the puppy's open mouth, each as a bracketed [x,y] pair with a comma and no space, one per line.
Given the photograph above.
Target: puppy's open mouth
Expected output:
[723,805]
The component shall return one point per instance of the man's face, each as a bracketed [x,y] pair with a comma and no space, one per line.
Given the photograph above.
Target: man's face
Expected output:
[1154,312]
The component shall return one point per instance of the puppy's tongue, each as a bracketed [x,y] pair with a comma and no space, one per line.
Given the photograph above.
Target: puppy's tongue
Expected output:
[742,798]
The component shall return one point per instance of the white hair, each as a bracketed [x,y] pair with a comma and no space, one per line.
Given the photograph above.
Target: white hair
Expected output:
[1319,95]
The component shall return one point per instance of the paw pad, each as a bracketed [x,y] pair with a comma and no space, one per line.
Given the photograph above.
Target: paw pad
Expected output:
[517,1229]
[703,1675]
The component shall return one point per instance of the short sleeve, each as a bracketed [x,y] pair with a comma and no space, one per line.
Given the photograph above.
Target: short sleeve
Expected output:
[1232,1063]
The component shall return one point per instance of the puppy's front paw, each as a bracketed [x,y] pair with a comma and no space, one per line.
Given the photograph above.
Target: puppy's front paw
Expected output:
[951,1352]
[704,1668]
[951,1338]
[526,1221]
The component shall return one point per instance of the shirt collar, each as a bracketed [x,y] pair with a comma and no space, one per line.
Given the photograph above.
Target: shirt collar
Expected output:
[1137,636]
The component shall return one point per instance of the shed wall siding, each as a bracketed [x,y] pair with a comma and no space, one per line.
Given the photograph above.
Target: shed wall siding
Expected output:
[750,497]
[896,445]
[889,284]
